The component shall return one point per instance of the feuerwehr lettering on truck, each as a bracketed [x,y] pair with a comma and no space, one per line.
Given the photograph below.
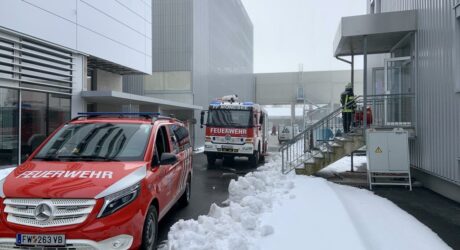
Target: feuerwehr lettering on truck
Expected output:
[66,174]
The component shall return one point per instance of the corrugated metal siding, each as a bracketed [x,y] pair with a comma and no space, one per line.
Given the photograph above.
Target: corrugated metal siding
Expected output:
[133,84]
[436,149]
[172,35]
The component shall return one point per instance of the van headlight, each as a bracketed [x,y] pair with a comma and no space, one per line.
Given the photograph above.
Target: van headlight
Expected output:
[118,200]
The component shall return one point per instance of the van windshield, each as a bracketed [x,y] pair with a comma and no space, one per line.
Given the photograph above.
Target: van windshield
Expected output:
[230,118]
[97,142]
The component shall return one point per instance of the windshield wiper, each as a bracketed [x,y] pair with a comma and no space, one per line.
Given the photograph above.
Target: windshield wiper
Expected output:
[87,157]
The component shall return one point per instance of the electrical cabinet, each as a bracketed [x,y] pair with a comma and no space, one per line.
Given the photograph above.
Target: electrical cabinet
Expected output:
[388,157]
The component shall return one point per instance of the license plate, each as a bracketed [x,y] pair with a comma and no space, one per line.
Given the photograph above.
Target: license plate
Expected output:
[40,239]
[227,146]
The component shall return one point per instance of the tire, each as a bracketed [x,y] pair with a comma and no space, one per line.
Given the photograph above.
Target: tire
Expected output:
[261,156]
[254,159]
[184,200]
[150,232]
[211,160]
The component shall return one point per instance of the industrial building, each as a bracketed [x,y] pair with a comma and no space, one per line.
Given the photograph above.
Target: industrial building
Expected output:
[201,50]
[53,54]
[411,48]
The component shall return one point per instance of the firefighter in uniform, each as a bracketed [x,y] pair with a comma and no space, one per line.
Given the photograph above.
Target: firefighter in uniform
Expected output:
[347,99]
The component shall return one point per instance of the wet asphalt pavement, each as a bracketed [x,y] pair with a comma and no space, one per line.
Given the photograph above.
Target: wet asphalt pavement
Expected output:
[209,185]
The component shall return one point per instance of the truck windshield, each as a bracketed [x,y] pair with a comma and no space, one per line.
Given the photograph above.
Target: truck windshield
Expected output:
[97,142]
[230,118]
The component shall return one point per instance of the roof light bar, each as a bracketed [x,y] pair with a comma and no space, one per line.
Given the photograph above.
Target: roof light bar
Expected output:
[149,114]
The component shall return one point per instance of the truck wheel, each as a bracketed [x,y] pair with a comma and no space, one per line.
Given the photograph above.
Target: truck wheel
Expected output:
[211,160]
[184,200]
[149,234]
[261,156]
[254,159]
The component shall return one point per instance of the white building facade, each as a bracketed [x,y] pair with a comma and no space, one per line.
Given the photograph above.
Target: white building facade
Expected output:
[51,52]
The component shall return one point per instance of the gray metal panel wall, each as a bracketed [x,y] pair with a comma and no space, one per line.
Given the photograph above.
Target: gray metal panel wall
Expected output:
[133,84]
[172,35]
[436,149]
[223,53]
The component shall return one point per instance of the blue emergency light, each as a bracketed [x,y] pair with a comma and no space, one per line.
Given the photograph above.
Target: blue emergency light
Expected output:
[248,103]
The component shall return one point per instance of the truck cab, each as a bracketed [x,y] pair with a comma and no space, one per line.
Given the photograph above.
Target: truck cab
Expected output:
[235,129]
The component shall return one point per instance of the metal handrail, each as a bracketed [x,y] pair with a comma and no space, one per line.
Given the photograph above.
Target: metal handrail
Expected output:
[294,153]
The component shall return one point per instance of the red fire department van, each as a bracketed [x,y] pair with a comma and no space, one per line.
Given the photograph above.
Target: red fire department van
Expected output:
[235,129]
[101,181]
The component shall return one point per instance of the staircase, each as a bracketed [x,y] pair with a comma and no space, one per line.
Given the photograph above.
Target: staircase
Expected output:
[322,143]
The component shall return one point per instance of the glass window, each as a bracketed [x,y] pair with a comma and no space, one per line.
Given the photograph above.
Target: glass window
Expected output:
[97,141]
[33,121]
[41,114]
[58,111]
[9,110]
[229,118]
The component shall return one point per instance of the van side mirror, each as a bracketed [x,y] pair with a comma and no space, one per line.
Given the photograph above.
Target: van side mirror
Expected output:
[168,159]
[202,119]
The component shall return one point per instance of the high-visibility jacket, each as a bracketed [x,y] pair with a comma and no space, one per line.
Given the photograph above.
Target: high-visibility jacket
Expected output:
[347,99]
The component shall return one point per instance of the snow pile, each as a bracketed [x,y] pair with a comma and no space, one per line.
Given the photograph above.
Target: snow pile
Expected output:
[344,165]
[4,172]
[237,225]
[267,210]
[198,150]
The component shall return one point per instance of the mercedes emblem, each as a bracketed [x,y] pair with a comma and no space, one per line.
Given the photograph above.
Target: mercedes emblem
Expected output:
[44,212]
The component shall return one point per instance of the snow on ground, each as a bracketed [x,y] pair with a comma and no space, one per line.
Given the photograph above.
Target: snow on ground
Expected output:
[344,164]
[198,150]
[268,210]
[4,172]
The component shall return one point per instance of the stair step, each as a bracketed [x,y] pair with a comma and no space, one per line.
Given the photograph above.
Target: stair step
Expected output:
[335,145]
[343,139]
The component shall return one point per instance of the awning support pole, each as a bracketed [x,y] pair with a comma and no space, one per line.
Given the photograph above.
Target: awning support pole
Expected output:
[353,72]
[365,87]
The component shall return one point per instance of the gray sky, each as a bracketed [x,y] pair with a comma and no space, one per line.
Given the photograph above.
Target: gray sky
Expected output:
[289,32]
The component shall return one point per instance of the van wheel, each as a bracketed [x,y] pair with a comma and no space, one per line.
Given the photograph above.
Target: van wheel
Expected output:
[254,159]
[184,200]
[149,235]
[211,160]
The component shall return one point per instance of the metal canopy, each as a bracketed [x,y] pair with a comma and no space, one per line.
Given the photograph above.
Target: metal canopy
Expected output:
[98,63]
[115,97]
[383,32]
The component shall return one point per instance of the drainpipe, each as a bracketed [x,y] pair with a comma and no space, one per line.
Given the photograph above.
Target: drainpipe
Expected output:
[365,87]
[352,64]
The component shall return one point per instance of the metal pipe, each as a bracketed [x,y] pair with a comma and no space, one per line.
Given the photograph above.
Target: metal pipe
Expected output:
[365,87]
[352,71]
[352,64]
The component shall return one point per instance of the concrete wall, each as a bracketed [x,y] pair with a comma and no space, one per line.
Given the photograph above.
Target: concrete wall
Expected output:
[108,81]
[320,87]
[117,31]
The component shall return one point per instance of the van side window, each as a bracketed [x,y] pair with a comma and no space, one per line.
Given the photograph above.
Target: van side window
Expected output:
[182,136]
[161,145]
[174,139]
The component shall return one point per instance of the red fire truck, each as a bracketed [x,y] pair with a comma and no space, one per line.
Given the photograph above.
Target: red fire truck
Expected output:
[235,129]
